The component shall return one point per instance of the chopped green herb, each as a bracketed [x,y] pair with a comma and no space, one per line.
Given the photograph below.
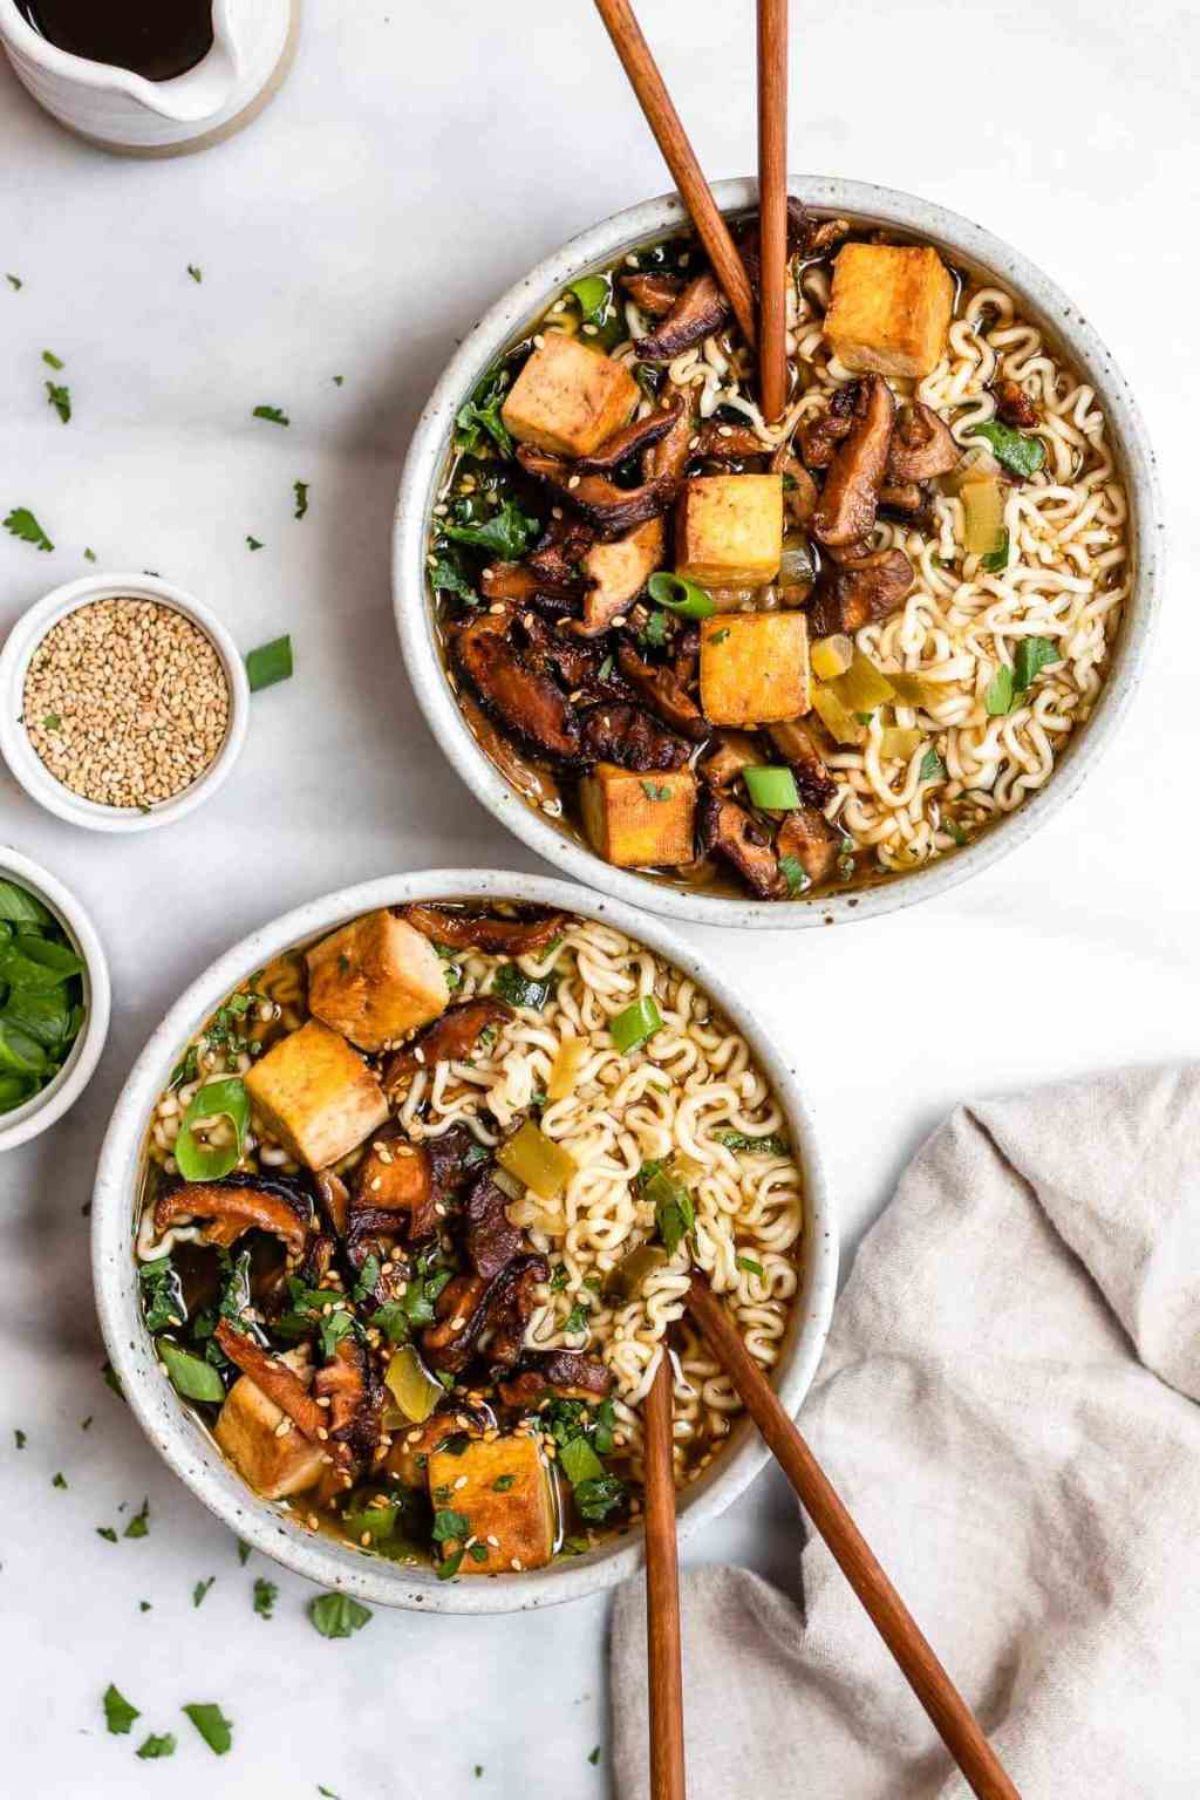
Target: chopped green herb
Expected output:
[19,1438]
[155,1746]
[502,1483]
[956,832]
[253,543]
[774,1145]
[576,1320]
[60,399]
[656,790]
[60,1480]
[300,490]
[445,577]
[749,1265]
[337,1615]
[213,1726]
[107,1533]
[51,722]
[90,555]
[265,1595]
[579,1462]
[1023,455]
[337,380]
[52,361]
[479,1553]
[139,1525]
[112,1379]
[507,533]
[450,1527]
[1030,657]
[932,766]
[519,989]
[201,1588]
[15,283]
[162,1294]
[655,633]
[243,1551]
[479,418]
[994,561]
[269,663]
[998,695]
[196,272]
[718,637]
[118,1713]
[592,292]
[273,414]
[23,525]
[449,1566]
[595,1500]
[795,874]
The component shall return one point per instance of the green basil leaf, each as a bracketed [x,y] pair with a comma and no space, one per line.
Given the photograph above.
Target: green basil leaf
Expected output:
[1023,455]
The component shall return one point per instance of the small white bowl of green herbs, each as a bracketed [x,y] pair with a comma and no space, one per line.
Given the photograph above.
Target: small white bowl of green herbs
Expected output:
[54,999]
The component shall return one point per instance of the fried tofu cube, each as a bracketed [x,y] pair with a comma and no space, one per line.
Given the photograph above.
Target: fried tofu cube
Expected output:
[375,980]
[502,1491]
[754,668]
[890,309]
[316,1095]
[569,398]
[637,820]
[729,530]
[274,1466]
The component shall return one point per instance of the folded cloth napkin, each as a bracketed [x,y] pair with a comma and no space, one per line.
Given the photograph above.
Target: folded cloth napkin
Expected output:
[1007,1406]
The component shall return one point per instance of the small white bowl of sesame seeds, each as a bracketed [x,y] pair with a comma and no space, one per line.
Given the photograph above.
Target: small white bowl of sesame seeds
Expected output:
[123,702]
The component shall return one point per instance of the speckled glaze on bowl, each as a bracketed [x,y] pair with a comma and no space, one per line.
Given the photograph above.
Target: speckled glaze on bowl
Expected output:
[186,1444]
[507,321]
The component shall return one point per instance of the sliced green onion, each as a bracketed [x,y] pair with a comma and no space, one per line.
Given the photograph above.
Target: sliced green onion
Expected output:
[679,595]
[190,1375]
[772,788]
[592,293]
[225,1099]
[637,1023]
[379,1521]
[269,663]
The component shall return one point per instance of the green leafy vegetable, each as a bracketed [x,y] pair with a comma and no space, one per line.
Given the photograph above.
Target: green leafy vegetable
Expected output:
[998,695]
[273,414]
[200,1590]
[213,1726]
[119,1714]
[674,1209]
[162,1744]
[1023,455]
[594,1756]
[518,989]
[595,1500]
[162,1294]
[107,1533]
[445,577]
[337,1615]
[244,1552]
[15,283]
[1030,657]
[450,1527]
[265,1595]
[774,1145]
[23,525]
[479,418]
[190,1375]
[506,533]
[269,663]
[994,561]
[795,874]
[655,633]
[253,543]
[19,1438]
[635,1024]
[579,1462]
[60,1480]
[19,907]
[300,490]
[59,398]
[139,1525]
[226,1099]
[932,766]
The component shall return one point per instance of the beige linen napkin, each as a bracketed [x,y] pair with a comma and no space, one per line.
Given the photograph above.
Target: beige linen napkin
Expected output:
[1007,1405]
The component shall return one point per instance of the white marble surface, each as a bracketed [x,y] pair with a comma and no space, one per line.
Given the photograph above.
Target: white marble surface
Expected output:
[411,168]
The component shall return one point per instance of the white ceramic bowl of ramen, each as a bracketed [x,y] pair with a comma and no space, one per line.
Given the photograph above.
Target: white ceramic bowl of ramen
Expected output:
[965,245]
[185,1442]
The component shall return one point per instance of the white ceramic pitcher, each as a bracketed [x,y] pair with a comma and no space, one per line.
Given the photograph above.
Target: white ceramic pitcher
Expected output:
[252,42]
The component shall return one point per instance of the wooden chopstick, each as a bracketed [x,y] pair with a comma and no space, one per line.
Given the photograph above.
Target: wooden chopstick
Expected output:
[663,1635]
[957,1725]
[665,123]
[772,204]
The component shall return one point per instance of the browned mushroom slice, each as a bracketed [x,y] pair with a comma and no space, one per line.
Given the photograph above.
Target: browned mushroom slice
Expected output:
[727,830]
[728,443]
[563,1373]
[630,738]
[731,753]
[922,446]
[537,784]
[453,1159]
[555,558]
[355,1396]
[820,434]
[449,1039]
[906,497]
[1014,406]
[668,460]
[822,237]
[620,570]
[334,1196]
[640,434]
[490,1240]
[509,581]
[476,931]
[859,593]
[471,1309]
[664,693]
[846,509]
[654,294]
[584,669]
[279,1383]
[808,838]
[528,702]
[798,745]
[237,1204]
[799,488]
[700,310]
[611,511]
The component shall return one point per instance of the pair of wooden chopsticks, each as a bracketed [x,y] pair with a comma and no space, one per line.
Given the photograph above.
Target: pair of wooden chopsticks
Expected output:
[767,328]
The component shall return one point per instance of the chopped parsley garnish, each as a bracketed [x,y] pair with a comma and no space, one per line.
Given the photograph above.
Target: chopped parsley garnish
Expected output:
[253,543]
[200,1590]
[932,766]
[196,272]
[576,1320]
[998,695]
[794,873]
[450,1527]
[337,1615]
[118,1713]
[15,283]
[478,419]
[1030,658]
[1023,455]
[655,632]
[23,525]
[162,1744]
[656,790]
[773,1145]
[60,1480]
[275,415]
[265,1595]
[213,1726]
[502,1483]
[519,989]
[300,490]
[60,399]
[139,1525]
[594,1756]
[19,1438]
[506,533]
[51,361]
[107,1533]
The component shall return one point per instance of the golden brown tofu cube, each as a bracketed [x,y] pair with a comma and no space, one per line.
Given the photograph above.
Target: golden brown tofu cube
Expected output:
[890,309]
[639,820]
[754,668]
[568,399]
[502,1491]
[375,980]
[273,1466]
[316,1095]
[729,530]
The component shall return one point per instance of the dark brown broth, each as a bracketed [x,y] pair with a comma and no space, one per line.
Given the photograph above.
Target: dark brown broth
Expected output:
[158,39]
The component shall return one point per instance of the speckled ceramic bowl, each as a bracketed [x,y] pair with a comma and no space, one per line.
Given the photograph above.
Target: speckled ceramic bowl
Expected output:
[507,322]
[185,1442]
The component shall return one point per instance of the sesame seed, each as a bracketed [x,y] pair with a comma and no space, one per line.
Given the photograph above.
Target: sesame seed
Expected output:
[493,1541]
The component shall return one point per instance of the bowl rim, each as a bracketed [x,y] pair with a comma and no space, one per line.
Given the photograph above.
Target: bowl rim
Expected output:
[58,1096]
[600,244]
[23,761]
[186,1446]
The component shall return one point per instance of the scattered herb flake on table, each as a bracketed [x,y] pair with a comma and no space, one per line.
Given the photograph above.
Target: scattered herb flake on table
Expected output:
[15,283]
[243,1551]
[139,1525]
[337,379]
[20,1438]
[253,543]
[195,271]
[156,1745]
[107,1533]
[213,1726]
[60,399]
[275,415]
[118,1713]
[300,489]
[23,525]
[337,1615]
[51,361]
[594,1756]
[200,1590]
[265,1595]
[60,1480]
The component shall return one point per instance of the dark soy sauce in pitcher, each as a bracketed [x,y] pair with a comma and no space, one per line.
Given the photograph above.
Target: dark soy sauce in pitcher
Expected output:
[155,38]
